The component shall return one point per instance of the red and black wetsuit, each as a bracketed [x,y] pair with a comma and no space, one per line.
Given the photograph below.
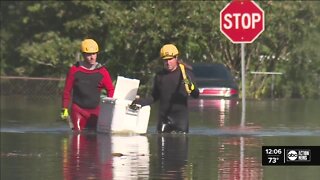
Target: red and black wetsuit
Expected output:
[83,87]
[169,89]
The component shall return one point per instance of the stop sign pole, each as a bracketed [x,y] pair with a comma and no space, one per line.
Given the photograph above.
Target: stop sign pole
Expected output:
[243,83]
[242,21]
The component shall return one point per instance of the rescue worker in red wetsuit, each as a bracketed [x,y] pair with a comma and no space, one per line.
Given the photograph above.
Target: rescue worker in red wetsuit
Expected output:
[172,87]
[83,86]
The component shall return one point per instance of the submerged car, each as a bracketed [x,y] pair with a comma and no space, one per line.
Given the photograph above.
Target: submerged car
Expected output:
[214,80]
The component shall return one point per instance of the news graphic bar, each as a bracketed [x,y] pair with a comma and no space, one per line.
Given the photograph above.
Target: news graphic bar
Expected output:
[291,155]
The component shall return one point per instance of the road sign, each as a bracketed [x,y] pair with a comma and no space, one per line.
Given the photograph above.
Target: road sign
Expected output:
[242,21]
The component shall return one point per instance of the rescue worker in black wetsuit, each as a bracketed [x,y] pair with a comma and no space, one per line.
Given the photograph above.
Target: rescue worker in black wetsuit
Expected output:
[172,87]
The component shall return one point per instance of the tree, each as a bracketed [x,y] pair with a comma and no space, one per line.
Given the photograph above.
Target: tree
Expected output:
[43,39]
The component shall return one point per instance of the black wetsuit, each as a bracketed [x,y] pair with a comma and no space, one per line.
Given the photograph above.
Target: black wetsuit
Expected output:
[170,90]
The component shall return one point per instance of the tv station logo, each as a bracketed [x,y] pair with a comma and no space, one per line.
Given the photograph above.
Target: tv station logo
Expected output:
[291,155]
[298,155]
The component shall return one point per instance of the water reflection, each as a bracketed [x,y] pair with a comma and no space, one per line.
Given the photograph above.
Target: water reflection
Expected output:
[173,156]
[87,156]
[243,165]
[220,106]
[104,156]
[131,157]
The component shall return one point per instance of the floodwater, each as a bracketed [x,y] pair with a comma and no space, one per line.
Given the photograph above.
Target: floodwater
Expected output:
[223,143]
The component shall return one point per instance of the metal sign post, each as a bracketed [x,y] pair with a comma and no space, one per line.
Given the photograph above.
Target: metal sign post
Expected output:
[269,73]
[243,79]
[242,22]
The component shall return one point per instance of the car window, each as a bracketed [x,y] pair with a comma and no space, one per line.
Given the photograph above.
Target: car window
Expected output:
[218,72]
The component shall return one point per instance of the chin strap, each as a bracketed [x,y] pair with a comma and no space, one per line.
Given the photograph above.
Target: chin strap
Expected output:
[89,66]
[189,86]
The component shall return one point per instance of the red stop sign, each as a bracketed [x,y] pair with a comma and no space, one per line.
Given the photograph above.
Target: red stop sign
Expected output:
[242,21]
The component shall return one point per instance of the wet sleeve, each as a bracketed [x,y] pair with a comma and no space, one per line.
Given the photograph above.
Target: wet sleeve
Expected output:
[195,92]
[67,91]
[107,83]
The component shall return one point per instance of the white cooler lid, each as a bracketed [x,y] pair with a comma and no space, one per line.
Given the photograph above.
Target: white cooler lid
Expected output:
[126,88]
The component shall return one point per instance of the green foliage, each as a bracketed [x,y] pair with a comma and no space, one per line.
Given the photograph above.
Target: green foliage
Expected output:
[43,38]
[48,53]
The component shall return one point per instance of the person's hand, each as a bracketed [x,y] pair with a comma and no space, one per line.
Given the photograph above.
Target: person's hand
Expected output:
[135,105]
[191,86]
[136,101]
[64,114]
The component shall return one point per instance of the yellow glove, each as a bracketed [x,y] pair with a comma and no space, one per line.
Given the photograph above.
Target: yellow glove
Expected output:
[191,86]
[64,114]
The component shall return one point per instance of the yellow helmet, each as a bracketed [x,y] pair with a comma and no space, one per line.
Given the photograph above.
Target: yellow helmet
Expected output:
[168,51]
[89,46]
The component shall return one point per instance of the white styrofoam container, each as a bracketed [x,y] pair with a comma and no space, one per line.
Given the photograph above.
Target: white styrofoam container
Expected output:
[116,117]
